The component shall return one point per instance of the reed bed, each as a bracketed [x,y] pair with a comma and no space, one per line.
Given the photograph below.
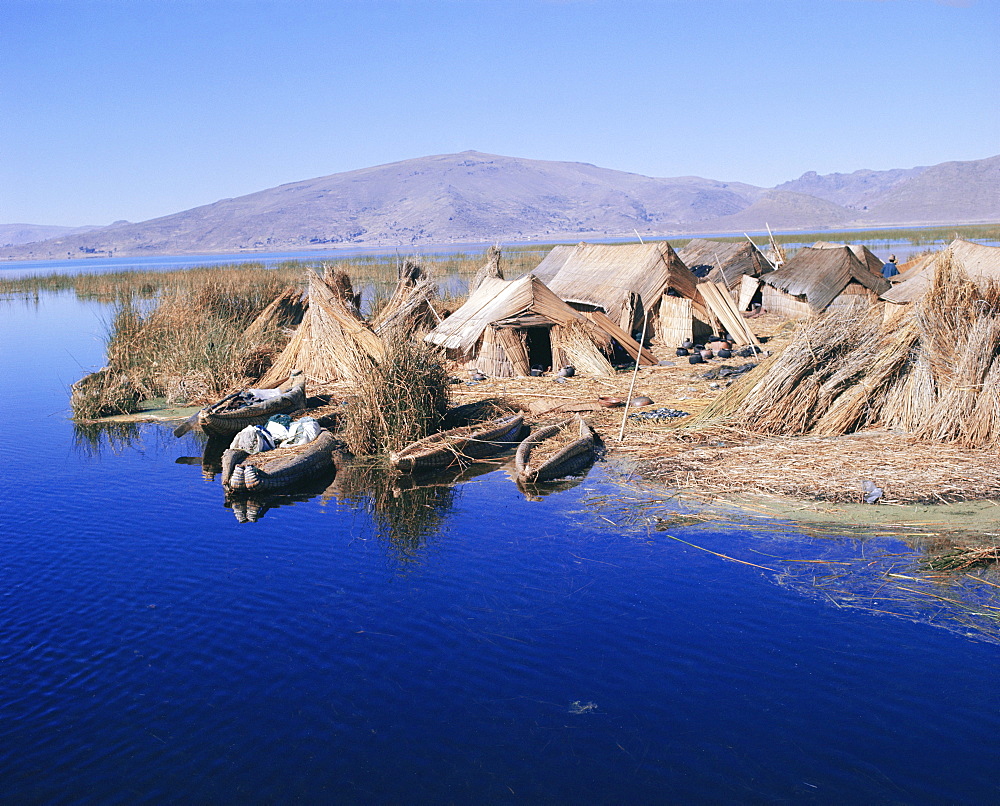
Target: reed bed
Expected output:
[376,271]
[189,348]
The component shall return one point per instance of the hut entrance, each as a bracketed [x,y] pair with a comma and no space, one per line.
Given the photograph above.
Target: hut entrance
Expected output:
[538,343]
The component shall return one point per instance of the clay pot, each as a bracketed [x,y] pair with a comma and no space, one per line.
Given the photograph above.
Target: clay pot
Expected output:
[695,358]
[707,354]
[640,400]
[725,354]
[610,402]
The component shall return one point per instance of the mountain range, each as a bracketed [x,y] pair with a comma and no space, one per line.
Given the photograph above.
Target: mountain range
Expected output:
[473,197]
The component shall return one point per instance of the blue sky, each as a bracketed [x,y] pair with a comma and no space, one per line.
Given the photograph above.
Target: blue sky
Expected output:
[133,109]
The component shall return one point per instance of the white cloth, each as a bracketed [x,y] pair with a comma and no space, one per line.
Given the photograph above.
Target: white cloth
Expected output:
[253,439]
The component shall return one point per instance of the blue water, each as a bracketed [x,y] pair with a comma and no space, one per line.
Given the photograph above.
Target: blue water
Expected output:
[903,249]
[153,649]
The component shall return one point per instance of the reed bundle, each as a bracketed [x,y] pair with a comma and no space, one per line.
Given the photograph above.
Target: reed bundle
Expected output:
[333,342]
[932,370]
[490,269]
[409,308]
[399,400]
[285,311]
[580,346]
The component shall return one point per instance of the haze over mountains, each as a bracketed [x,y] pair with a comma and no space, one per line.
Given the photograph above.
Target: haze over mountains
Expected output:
[474,197]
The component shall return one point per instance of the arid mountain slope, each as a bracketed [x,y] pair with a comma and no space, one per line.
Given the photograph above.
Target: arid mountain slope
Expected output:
[476,197]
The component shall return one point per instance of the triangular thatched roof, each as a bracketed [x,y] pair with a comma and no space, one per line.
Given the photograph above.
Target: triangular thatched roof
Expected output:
[608,276]
[525,302]
[820,274]
[331,343]
[861,252]
[721,262]
[490,329]
[980,263]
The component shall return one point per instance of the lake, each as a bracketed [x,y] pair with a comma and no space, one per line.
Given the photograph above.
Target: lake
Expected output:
[903,249]
[449,644]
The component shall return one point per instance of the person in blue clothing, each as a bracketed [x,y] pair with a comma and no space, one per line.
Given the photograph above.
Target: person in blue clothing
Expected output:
[889,269]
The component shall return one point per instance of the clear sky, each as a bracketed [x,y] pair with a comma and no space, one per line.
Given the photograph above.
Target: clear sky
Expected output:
[133,109]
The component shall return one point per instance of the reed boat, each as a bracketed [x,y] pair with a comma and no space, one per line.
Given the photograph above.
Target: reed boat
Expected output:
[232,414]
[554,451]
[457,445]
[277,469]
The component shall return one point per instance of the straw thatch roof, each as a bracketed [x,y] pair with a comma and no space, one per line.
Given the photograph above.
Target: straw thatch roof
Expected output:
[861,252]
[817,276]
[623,280]
[721,262]
[553,262]
[980,263]
[490,330]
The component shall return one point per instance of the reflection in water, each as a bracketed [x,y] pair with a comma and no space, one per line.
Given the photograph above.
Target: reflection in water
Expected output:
[249,509]
[886,569]
[94,439]
[536,492]
[406,510]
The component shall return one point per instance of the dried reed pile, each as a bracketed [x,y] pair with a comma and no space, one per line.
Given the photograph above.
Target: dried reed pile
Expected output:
[285,311]
[962,558]
[333,341]
[583,346]
[399,400]
[409,309]
[933,370]
[490,269]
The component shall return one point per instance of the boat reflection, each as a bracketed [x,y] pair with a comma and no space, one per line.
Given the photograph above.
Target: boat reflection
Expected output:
[251,508]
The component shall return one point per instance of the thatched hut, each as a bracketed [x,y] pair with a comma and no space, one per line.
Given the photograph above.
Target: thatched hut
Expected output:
[506,327]
[721,262]
[817,279]
[980,263]
[624,281]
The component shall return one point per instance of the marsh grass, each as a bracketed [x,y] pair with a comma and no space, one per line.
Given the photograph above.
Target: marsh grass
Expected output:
[181,335]
[378,271]
[403,399]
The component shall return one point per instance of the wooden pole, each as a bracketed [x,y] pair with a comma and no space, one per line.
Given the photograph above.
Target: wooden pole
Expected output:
[631,388]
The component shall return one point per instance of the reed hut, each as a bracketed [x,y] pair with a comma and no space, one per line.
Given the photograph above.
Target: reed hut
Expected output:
[624,281]
[817,279]
[980,263]
[721,262]
[507,327]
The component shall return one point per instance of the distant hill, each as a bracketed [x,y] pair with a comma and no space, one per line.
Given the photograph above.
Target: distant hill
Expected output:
[476,197]
[16,234]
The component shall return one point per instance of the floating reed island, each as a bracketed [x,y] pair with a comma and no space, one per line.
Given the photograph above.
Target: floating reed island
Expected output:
[889,400]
